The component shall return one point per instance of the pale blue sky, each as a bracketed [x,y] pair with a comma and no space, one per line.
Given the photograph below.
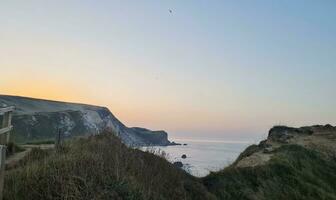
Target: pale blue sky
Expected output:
[228,69]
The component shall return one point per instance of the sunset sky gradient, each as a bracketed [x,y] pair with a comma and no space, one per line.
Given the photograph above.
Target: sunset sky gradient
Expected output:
[215,69]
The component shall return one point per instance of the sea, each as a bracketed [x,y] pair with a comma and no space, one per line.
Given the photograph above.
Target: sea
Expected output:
[202,156]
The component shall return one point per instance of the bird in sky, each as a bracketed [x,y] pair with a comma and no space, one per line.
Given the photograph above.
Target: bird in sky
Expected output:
[170,11]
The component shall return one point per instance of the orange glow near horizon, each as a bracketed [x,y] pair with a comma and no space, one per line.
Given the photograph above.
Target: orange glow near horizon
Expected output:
[178,72]
[42,89]
[169,117]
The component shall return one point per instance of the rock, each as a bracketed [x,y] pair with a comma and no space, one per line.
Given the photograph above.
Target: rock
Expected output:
[268,149]
[159,138]
[184,156]
[264,144]
[328,126]
[178,164]
[318,138]
[174,143]
[283,134]
[254,160]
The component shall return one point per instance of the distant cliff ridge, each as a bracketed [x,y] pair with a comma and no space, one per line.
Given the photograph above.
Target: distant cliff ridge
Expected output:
[37,119]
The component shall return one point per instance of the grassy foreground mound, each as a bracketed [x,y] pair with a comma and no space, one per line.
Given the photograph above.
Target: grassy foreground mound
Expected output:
[292,163]
[293,172]
[100,167]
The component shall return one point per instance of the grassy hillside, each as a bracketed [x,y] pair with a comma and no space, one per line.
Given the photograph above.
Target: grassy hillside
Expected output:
[294,172]
[101,167]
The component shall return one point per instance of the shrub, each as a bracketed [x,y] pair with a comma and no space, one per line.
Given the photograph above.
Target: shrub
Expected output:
[100,167]
[293,173]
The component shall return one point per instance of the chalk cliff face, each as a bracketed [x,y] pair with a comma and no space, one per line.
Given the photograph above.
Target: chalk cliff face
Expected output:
[36,119]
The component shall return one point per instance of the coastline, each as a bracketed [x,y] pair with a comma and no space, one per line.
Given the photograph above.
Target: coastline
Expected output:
[202,156]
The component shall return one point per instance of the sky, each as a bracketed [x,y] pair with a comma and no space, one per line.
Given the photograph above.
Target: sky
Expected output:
[208,69]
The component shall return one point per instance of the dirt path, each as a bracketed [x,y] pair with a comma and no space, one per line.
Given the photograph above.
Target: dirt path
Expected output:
[14,159]
[41,146]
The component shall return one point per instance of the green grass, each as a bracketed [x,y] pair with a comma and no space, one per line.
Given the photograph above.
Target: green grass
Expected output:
[38,142]
[13,148]
[99,167]
[293,173]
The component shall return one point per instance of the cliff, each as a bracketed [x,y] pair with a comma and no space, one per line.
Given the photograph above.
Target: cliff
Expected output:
[37,119]
[292,163]
[318,138]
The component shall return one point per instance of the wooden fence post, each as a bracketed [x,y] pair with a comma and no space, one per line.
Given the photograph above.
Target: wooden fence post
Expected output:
[9,123]
[6,126]
[2,168]
[5,129]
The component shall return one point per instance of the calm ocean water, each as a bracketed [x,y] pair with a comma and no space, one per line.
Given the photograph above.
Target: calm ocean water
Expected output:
[204,156]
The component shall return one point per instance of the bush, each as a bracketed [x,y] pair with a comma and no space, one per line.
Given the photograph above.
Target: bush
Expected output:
[99,167]
[293,173]
[38,142]
[13,148]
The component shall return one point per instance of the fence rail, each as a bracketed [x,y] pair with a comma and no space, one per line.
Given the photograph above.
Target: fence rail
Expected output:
[6,130]
[6,109]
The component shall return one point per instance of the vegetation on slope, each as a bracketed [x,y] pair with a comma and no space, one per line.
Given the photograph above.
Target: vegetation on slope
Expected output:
[99,167]
[294,172]
[45,125]
[12,148]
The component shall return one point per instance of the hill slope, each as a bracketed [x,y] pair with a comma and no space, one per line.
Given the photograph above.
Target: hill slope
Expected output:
[292,163]
[99,167]
[37,119]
